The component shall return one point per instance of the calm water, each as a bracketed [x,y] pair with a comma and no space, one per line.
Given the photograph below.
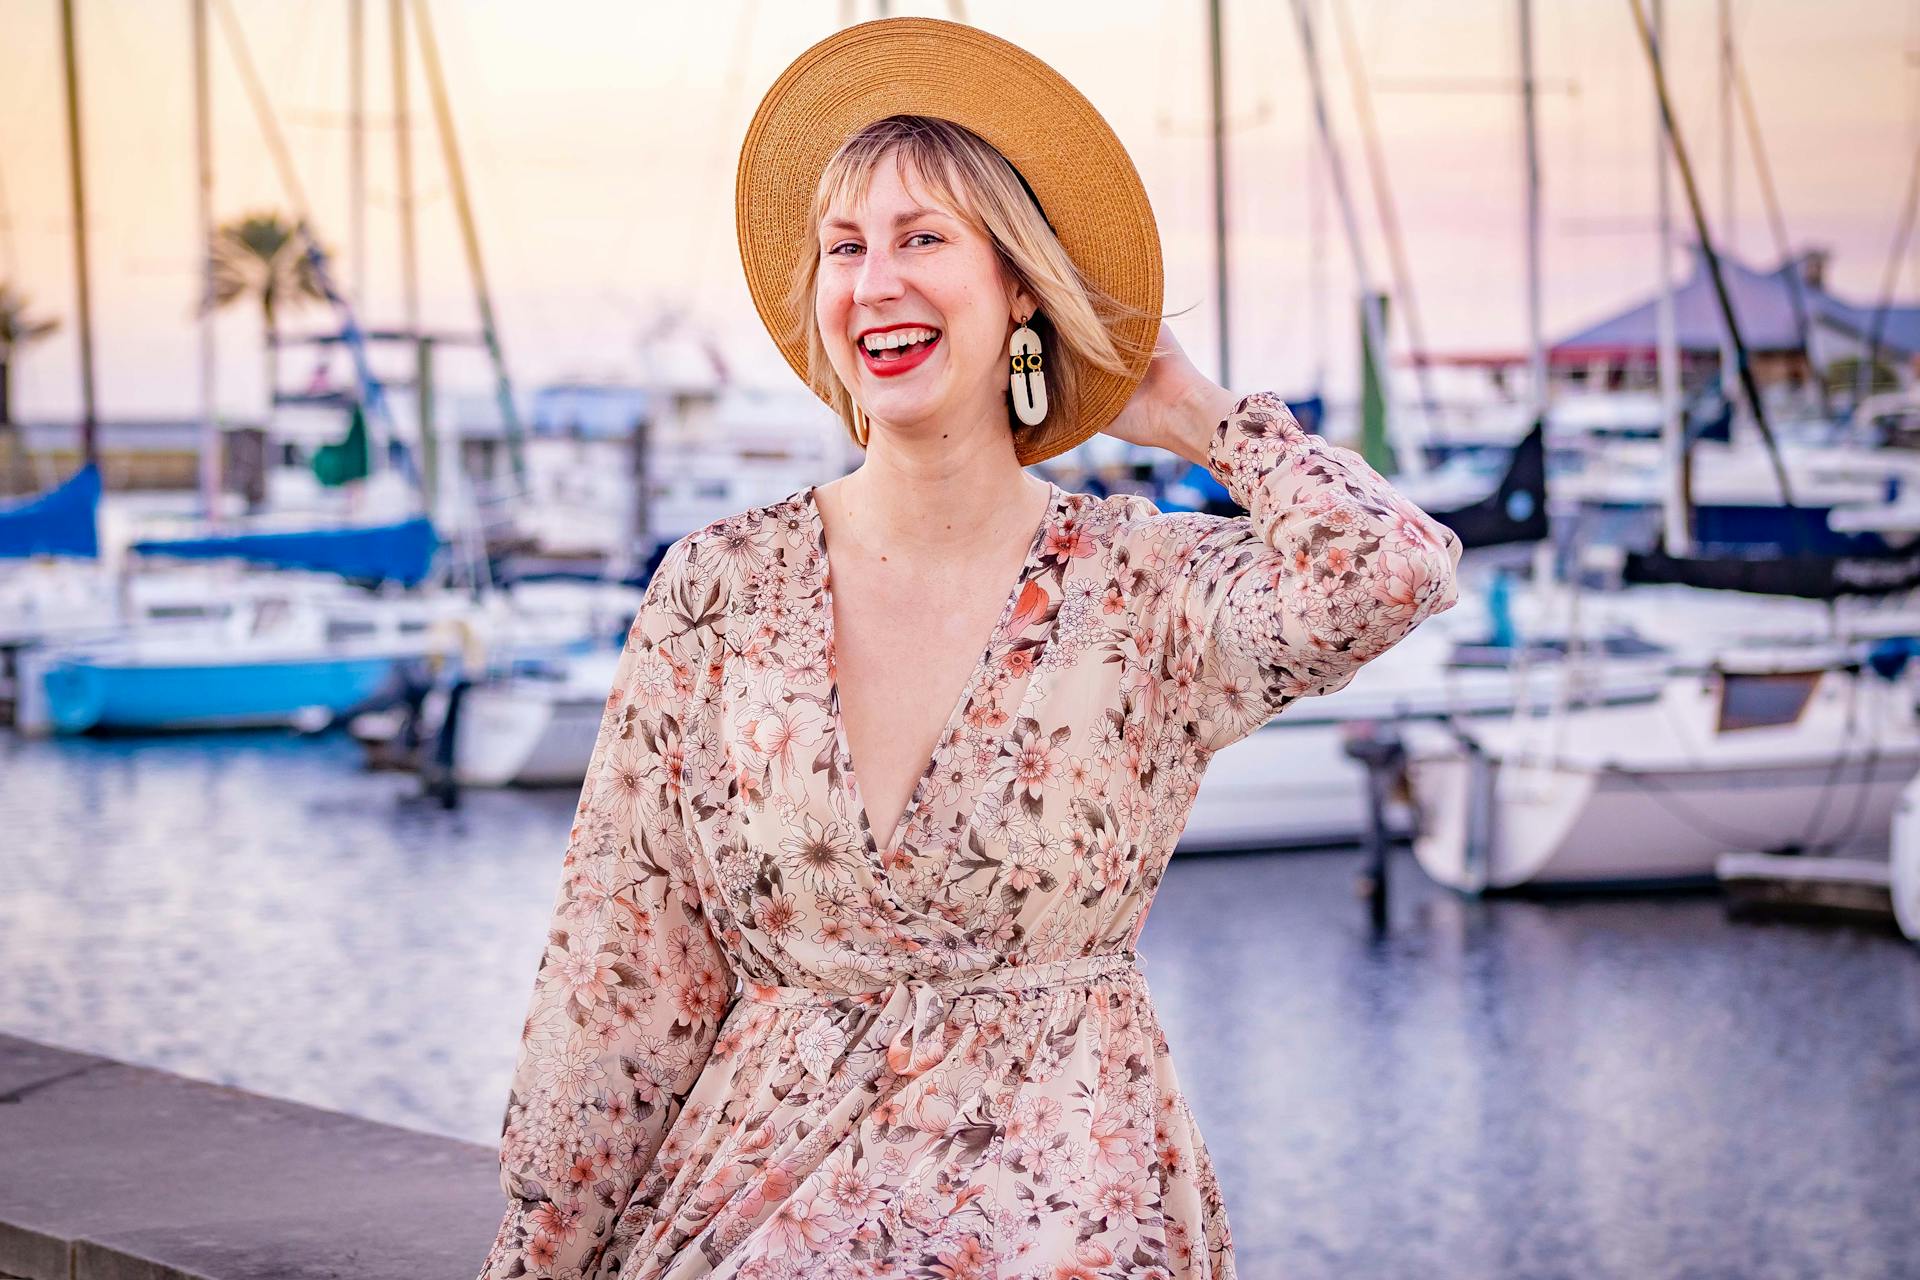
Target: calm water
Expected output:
[1614,1088]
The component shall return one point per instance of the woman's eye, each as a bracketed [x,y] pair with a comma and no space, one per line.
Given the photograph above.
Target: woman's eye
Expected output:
[849,244]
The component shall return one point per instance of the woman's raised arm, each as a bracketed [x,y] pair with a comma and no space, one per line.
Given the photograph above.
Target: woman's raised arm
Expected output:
[1329,568]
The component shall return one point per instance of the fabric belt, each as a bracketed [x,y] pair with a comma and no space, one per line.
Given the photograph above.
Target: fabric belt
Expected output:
[913,1012]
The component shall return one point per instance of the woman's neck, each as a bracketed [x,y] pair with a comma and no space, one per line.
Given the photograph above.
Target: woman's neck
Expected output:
[914,509]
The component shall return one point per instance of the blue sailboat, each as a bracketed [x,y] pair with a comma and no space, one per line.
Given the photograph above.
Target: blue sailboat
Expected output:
[59,522]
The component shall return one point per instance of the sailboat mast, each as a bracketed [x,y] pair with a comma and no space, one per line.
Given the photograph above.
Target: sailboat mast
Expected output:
[1651,47]
[1530,143]
[1675,524]
[83,298]
[403,159]
[1723,11]
[203,155]
[357,146]
[1410,459]
[357,189]
[409,257]
[1387,210]
[470,241]
[1217,99]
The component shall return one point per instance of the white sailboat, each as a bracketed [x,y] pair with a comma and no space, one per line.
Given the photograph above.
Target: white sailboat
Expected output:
[1904,876]
[1784,751]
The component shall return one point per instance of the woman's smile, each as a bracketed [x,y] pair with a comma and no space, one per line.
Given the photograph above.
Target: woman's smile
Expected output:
[893,362]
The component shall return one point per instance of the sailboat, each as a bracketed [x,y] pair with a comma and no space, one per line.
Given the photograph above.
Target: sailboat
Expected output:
[1797,749]
[1291,784]
[1904,873]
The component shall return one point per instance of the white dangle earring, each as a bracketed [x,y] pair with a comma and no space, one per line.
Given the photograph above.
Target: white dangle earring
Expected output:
[1029,378]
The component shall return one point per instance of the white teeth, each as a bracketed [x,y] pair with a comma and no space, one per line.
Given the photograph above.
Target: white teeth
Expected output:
[898,338]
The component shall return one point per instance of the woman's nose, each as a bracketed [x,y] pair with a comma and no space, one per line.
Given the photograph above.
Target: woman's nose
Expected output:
[877,280]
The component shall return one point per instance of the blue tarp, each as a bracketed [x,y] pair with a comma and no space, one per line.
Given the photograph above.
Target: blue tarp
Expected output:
[59,522]
[377,553]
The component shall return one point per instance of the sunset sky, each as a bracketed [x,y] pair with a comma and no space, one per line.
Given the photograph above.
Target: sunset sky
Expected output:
[601,138]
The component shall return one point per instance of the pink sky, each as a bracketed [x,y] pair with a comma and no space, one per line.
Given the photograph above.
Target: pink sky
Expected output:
[600,141]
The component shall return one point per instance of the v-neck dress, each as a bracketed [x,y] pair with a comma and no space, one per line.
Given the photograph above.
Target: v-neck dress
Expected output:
[762,1047]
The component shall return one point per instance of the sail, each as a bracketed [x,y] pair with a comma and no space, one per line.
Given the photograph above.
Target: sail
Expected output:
[400,552]
[335,464]
[1811,577]
[59,522]
[1517,510]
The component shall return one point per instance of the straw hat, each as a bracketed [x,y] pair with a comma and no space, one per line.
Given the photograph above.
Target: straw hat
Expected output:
[1070,157]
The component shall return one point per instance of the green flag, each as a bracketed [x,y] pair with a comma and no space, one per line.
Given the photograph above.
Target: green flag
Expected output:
[335,464]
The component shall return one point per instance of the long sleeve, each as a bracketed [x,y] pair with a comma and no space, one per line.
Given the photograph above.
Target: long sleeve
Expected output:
[1330,568]
[632,987]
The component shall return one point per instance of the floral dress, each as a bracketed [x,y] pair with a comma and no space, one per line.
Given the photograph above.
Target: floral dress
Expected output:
[761,1047]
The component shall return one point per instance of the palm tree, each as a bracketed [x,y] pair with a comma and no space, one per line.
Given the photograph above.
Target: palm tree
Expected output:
[17,329]
[261,257]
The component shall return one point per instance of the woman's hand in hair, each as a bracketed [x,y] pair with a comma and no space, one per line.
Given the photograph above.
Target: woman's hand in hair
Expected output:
[1175,407]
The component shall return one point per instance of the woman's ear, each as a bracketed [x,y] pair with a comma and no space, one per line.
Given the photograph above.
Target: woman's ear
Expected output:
[1022,305]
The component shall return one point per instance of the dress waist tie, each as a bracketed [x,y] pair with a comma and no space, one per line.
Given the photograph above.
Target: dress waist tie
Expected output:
[912,1012]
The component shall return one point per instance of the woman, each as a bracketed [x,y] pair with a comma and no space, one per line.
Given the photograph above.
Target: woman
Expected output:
[917,813]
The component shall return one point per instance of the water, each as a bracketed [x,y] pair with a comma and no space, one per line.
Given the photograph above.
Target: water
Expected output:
[1530,1089]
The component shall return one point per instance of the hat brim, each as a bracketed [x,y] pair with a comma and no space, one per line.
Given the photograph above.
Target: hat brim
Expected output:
[1062,146]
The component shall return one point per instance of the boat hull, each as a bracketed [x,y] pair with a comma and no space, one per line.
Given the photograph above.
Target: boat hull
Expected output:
[82,695]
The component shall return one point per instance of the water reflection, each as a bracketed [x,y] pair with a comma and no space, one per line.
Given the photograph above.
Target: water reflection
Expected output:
[1617,1087]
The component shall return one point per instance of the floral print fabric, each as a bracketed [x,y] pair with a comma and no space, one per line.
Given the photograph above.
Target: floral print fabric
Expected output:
[761,1047]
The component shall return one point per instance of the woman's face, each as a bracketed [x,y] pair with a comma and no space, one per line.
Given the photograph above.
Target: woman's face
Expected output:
[899,262]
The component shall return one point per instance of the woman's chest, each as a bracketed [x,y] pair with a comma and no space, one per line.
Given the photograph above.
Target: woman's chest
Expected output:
[1005,733]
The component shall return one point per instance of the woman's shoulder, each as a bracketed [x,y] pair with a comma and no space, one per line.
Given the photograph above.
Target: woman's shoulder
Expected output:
[715,563]
[1134,524]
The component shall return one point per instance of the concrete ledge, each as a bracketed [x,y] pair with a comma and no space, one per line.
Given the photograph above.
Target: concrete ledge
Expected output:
[110,1171]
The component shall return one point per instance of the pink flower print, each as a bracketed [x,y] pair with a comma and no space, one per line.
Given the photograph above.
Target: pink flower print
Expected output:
[818,1044]
[799,1229]
[626,776]
[1023,871]
[1402,585]
[931,1109]
[653,679]
[1413,530]
[1036,759]
[779,733]
[777,915]
[556,1221]
[542,1250]
[1068,540]
[1114,1147]
[1121,1200]
[774,1186]
[818,852]
[967,1260]
[590,891]
[855,1195]
[580,971]
[572,1073]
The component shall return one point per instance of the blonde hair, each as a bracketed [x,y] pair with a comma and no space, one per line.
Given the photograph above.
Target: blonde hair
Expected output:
[1076,320]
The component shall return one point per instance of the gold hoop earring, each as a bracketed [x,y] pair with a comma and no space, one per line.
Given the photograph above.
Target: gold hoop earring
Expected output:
[861,429]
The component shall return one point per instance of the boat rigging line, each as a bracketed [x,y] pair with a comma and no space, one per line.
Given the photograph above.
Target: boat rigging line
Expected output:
[1747,381]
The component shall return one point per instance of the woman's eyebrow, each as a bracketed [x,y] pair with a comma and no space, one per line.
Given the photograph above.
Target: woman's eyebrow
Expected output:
[905,215]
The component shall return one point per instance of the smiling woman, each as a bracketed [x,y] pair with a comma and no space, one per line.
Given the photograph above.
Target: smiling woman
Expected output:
[941,1058]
